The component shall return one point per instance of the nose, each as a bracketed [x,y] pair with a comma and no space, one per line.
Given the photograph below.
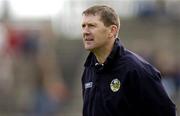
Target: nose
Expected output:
[86,32]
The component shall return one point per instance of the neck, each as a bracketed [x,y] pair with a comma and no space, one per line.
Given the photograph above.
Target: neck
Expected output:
[102,53]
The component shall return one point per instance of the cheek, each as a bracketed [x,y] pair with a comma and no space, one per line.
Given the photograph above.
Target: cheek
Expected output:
[103,35]
[100,33]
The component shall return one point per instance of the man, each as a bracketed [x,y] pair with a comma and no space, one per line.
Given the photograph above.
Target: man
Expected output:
[116,81]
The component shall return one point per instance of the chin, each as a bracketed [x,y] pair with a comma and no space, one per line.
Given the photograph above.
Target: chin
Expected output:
[89,48]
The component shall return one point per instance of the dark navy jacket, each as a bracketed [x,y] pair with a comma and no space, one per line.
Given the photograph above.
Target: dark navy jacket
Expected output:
[139,93]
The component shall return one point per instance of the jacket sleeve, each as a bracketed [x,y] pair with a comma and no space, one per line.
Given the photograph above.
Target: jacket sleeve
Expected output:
[154,101]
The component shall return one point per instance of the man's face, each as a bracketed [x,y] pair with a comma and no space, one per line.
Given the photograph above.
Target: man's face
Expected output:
[95,33]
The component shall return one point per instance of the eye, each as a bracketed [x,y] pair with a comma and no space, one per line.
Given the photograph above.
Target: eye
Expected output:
[91,25]
[83,25]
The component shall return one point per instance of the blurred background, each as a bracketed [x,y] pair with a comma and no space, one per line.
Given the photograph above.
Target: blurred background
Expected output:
[42,55]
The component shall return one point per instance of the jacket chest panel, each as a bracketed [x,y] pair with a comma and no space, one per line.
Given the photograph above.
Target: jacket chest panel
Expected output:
[105,91]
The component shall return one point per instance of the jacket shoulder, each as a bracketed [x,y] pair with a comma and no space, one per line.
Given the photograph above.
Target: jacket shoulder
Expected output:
[133,61]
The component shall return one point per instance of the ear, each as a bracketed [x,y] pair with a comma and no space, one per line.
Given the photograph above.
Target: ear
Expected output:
[113,31]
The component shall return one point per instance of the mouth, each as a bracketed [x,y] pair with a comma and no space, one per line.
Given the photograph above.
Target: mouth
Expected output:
[89,39]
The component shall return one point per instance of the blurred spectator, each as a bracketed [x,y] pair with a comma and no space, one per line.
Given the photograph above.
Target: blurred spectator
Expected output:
[31,70]
[14,40]
[52,91]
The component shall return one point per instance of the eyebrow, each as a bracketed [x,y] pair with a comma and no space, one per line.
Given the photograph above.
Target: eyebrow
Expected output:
[83,24]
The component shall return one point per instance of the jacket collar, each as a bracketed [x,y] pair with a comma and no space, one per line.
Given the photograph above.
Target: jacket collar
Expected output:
[92,61]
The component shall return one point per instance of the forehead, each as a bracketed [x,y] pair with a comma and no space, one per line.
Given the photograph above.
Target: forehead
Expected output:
[91,19]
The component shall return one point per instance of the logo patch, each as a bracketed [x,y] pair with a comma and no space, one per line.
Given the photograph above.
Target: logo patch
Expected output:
[88,85]
[115,85]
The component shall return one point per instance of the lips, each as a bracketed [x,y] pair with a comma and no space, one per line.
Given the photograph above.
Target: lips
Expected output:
[89,39]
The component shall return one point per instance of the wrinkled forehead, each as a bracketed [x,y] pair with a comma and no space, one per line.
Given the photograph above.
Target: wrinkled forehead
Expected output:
[90,17]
